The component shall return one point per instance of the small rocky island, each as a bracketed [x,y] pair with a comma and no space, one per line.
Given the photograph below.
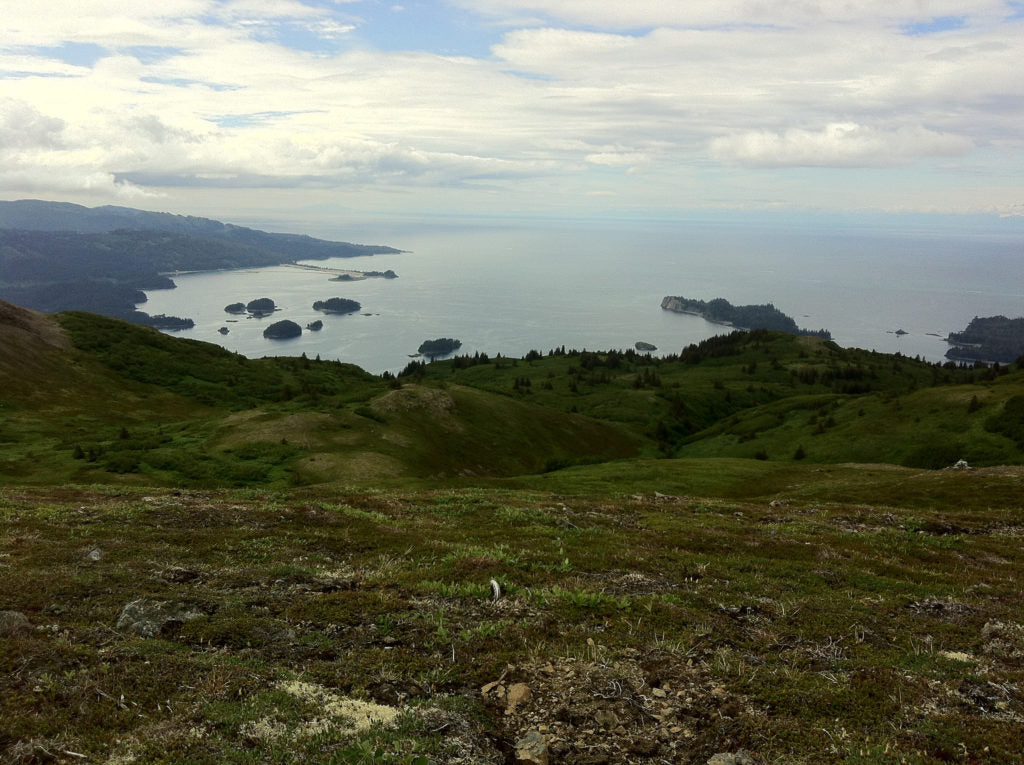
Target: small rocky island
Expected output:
[721,311]
[644,347]
[991,338]
[389,274]
[442,346]
[257,308]
[261,307]
[336,305]
[315,326]
[282,330]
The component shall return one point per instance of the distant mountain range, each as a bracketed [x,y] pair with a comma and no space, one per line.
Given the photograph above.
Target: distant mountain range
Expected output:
[56,256]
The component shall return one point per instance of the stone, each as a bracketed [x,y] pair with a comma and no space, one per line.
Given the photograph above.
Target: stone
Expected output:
[606,718]
[94,555]
[518,693]
[150,618]
[13,623]
[532,749]
[742,757]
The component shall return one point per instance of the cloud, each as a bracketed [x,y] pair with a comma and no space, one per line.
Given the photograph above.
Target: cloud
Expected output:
[652,96]
[640,14]
[618,158]
[837,145]
[23,127]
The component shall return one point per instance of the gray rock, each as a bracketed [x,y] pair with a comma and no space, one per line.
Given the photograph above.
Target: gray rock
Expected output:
[150,618]
[96,554]
[532,749]
[742,757]
[13,623]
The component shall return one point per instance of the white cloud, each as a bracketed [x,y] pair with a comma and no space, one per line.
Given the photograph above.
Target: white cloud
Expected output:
[705,13]
[226,101]
[23,127]
[838,145]
[618,158]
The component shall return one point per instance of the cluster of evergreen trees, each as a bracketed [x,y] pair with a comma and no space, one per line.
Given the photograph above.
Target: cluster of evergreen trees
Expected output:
[336,305]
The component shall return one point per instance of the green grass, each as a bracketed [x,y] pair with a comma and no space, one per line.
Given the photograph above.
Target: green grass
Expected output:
[780,619]
[745,546]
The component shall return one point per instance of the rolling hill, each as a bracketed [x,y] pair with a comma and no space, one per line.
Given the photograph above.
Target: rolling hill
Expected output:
[738,554]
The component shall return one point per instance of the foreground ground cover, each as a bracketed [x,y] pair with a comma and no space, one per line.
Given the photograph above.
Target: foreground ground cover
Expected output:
[357,625]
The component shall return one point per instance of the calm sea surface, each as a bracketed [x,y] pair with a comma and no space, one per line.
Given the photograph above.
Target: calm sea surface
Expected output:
[508,289]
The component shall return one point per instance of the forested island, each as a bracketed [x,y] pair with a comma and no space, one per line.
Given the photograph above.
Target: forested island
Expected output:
[336,305]
[442,346]
[261,307]
[389,274]
[990,338]
[721,311]
[59,257]
[282,330]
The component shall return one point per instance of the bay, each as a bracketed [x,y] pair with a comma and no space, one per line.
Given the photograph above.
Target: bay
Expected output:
[511,287]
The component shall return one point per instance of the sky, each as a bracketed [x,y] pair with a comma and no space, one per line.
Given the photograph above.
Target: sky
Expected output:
[524,108]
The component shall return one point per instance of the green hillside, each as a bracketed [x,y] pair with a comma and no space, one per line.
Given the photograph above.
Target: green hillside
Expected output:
[192,413]
[743,553]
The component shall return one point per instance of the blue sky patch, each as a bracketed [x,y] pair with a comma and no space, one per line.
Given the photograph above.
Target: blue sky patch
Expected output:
[424,26]
[936,25]
[178,82]
[152,54]
[76,54]
[248,120]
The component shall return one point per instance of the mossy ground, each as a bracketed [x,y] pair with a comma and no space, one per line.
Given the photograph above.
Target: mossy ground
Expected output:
[801,630]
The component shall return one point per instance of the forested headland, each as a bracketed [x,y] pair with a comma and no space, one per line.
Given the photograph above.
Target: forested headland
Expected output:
[58,257]
[991,338]
[721,311]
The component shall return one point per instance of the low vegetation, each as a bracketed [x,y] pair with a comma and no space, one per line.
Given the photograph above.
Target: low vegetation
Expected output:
[183,626]
[746,548]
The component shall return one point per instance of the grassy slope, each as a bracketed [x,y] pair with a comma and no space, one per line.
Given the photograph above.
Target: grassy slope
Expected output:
[134,406]
[648,628]
[774,394]
[809,611]
[193,414]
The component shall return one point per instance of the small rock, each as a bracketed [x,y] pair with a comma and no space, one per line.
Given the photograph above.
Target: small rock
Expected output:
[178,574]
[742,757]
[648,747]
[149,618]
[606,718]
[13,623]
[532,749]
[96,554]
[518,693]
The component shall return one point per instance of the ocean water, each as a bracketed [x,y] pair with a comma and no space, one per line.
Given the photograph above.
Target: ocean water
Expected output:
[511,288]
